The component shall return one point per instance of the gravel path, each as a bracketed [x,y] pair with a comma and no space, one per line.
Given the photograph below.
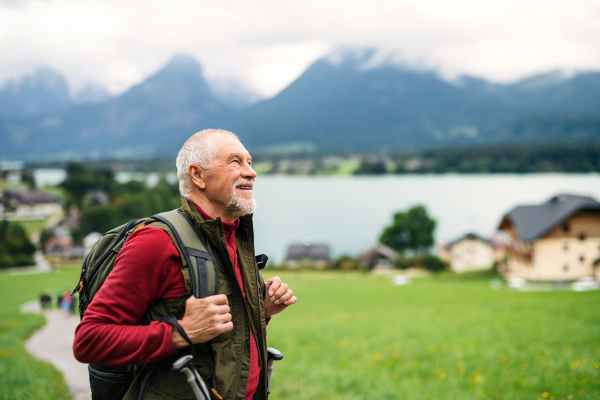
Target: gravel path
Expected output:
[54,343]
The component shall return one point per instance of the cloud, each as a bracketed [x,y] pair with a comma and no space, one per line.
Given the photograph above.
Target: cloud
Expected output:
[266,44]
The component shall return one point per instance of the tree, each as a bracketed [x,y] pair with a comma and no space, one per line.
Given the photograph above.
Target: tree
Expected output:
[371,168]
[15,247]
[411,230]
[80,180]
[98,218]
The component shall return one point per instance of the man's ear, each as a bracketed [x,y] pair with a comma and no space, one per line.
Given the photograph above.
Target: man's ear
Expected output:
[198,176]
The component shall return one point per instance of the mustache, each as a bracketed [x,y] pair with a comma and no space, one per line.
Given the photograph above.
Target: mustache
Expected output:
[243,182]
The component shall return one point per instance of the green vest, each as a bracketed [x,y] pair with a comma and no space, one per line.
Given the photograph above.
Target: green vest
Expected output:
[232,348]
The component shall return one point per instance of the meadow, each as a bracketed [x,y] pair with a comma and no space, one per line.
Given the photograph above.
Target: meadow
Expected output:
[355,336]
[22,376]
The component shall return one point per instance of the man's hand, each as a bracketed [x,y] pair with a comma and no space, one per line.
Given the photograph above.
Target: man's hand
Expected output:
[279,296]
[203,320]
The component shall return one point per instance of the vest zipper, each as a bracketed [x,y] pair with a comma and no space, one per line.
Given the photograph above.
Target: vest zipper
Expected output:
[261,341]
[222,241]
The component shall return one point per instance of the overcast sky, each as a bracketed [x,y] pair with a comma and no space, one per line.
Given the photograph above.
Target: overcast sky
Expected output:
[266,44]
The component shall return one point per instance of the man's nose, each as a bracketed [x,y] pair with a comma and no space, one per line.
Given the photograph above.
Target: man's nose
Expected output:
[248,172]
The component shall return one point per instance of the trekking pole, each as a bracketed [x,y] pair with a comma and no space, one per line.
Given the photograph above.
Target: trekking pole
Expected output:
[186,365]
[272,355]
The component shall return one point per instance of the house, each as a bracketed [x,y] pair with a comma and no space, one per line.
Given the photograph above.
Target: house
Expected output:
[60,246]
[558,240]
[469,252]
[307,255]
[379,257]
[90,240]
[12,171]
[31,204]
[93,197]
[60,240]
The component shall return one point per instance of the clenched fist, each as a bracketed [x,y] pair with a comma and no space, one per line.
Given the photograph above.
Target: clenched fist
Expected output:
[279,296]
[203,320]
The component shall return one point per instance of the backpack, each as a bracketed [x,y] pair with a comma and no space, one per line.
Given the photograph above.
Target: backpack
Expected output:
[110,382]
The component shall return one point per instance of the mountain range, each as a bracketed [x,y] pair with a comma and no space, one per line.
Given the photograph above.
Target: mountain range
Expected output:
[342,103]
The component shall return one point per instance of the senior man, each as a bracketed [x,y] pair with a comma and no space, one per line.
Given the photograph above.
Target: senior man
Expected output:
[216,181]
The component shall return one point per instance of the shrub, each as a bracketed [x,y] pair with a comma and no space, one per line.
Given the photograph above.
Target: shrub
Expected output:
[345,262]
[432,263]
[403,263]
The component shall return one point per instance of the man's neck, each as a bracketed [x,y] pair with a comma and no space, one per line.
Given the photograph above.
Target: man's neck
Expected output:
[212,209]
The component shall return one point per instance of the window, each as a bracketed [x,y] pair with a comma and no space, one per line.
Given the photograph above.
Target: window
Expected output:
[581,258]
[582,236]
[566,268]
[566,227]
[566,246]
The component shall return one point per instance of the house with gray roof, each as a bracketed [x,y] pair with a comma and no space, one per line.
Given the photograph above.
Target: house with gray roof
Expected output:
[558,240]
[307,255]
[31,204]
[470,252]
[378,257]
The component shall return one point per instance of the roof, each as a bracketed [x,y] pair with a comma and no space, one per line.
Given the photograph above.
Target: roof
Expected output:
[470,236]
[378,251]
[31,197]
[533,222]
[312,251]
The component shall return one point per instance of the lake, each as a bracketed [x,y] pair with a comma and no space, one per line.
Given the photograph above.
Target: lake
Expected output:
[349,213]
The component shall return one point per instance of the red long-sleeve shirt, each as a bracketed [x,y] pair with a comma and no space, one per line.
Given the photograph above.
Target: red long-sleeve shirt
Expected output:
[147,269]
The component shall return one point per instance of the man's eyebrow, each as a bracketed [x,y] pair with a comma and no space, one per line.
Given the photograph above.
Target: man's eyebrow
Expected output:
[234,155]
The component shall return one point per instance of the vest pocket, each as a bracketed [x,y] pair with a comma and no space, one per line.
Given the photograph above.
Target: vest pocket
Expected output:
[109,383]
[226,289]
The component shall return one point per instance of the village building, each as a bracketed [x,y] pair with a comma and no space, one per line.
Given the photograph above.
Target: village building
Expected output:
[31,204]
[469,252]
[377,258]
[558,240]
[90,240]
[307,255]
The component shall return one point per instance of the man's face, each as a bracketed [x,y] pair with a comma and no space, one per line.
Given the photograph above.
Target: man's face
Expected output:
[230,181]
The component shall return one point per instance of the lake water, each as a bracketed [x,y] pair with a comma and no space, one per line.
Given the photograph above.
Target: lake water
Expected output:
[349,213]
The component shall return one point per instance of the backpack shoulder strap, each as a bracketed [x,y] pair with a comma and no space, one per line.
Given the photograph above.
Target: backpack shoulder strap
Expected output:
[202,264]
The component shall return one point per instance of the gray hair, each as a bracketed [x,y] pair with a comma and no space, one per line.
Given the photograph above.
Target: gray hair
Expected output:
[199,149]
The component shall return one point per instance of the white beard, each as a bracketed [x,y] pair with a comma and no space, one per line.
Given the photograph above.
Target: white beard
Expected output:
[245,204]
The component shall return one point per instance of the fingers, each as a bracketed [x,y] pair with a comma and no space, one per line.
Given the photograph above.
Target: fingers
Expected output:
[291,301]
[222,318]
[275,283]
[285,297]
[226,327]
[282,289]
[217,299]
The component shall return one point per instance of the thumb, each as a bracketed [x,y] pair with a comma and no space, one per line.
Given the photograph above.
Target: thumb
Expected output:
[268,284]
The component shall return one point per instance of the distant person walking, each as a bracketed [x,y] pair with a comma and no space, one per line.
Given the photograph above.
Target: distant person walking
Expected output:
[121,325]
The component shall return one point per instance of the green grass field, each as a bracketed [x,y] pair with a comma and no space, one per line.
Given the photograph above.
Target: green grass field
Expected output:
[355,336]
[21,376]
[32,226]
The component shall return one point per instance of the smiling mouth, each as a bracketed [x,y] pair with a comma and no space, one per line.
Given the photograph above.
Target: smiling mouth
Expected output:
[244,187]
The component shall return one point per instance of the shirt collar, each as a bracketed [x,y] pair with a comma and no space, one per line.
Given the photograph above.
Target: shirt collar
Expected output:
[228,227]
